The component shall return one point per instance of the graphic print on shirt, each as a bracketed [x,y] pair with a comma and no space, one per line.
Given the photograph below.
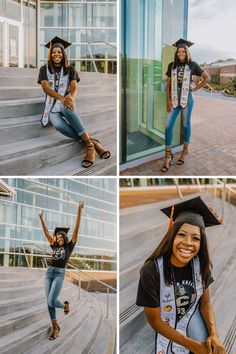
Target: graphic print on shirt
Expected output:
[59,253]
[180,73]
[185,297]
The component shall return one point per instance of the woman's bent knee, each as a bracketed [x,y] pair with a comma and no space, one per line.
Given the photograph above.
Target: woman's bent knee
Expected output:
[51,303]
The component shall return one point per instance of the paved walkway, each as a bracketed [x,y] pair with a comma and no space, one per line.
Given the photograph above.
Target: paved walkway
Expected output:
[212,151]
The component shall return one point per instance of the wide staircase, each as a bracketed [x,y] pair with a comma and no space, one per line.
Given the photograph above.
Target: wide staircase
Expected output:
[26,148]
[25,322]
[141,229]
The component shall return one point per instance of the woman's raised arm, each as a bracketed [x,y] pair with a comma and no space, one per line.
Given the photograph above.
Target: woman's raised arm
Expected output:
[77,223]
[45,229]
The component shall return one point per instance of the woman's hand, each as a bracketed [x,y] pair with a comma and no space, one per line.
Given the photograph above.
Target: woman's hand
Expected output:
[69,102]
[168,105]
[80,207]
[214,345]
[200,348]
[41,214]
[194,89]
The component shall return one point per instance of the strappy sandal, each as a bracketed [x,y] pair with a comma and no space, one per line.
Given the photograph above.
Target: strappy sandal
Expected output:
[100,150]
[55,330]
[90,151]
[180,161]
[66,308]
[164,167]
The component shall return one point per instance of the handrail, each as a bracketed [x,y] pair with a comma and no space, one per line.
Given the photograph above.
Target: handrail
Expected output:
[104,42]
[77,269]
[177,187]
[91,54]
[94,278]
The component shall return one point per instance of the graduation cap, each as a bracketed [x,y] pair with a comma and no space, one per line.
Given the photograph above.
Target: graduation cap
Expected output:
[192,211]
[58,229]
[182,42]
[57,41]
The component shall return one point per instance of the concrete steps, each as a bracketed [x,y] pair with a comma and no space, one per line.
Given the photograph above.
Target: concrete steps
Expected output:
[25,323]
[31,127]
[29,149]
[35,105]
[135,334]
[40,153]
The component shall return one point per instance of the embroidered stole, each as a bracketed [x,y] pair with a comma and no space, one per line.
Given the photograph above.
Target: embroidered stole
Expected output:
[169,309]
[184,90]
[51,104]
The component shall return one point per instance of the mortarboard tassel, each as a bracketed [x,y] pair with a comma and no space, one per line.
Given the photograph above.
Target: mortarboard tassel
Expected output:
[171,218]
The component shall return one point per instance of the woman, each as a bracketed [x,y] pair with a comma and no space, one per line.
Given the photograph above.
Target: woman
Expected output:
[59,82]
[179,97]
[174,284]
[62,249]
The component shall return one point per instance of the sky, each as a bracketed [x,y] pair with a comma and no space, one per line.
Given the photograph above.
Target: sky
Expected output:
[212,27]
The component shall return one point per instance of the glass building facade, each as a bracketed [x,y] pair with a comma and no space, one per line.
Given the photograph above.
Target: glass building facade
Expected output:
[22,242]
[148,30]
[27,25]
[18,33]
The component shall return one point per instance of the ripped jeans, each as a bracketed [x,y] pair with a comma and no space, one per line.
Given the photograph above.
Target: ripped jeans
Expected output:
[53,283]
[186,116]
[68,123]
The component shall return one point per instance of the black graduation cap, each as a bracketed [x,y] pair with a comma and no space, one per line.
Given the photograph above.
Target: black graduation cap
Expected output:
[183,42]
[58,229]
[192,211]
[59,41]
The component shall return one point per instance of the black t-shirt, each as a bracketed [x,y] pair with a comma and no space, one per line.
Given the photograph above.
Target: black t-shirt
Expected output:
[149,287]
[73,75]
[61,254]
[194,68]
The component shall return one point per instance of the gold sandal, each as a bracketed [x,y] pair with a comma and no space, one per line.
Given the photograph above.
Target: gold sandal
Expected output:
[90,151]
[100,150]
[180,161]
[168,155]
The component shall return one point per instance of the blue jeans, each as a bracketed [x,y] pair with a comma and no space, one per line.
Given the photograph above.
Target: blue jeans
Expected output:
[186,116]
[53,284]
[68,123]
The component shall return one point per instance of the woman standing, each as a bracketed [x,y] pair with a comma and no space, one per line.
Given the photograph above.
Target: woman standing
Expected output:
[62,249]
[174,284]
[179,97]
[59,82]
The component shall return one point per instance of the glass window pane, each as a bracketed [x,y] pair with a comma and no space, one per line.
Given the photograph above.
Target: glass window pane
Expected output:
[104,15]
[13,9]
[145,41]
[78,15]
[13,46]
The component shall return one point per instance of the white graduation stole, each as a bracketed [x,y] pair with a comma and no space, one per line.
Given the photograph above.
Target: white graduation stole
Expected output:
[168,309]
[185,87]
[51,104]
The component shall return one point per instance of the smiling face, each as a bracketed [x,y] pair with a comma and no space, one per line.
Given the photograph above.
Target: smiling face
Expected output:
[181,54]
[57,55]
[60,239]
[186,245]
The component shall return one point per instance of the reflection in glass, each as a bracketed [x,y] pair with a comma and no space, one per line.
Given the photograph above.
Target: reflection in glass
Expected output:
[86,22]
[1,44]
[13,9]
[146,34]
[19,222]
[29,15]
[13,46]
